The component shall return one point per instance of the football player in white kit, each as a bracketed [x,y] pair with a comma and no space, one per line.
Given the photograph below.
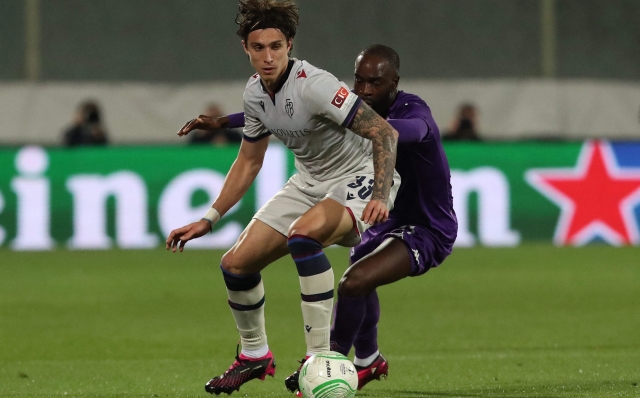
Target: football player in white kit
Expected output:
[345,157]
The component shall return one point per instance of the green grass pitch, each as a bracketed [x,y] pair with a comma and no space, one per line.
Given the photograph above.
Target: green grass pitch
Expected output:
[535,321]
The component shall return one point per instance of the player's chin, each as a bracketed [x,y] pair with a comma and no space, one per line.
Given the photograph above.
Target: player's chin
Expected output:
[268,76]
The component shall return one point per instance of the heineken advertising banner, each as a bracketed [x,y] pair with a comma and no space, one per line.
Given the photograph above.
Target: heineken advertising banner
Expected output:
[132,197]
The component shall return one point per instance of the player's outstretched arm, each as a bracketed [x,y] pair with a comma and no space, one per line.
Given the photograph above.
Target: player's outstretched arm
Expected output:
[179,237]
[241,174]
[239,178]
[208,123]
[204,122]
[368,124]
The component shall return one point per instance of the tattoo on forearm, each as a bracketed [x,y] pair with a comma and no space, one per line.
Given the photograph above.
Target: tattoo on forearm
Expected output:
[368,124]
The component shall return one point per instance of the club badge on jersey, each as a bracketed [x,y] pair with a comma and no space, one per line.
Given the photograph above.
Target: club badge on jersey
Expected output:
[289,108]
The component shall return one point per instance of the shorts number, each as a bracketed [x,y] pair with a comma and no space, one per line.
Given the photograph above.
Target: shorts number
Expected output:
[358,183]
[364,192]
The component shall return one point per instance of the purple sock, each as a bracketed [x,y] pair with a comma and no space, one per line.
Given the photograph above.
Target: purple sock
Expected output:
[366,342]
[348,316]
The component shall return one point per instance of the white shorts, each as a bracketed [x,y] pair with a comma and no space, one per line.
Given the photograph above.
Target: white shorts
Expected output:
[297,196]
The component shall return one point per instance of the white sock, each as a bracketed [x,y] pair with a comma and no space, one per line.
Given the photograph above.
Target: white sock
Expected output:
[259,353]
[317,314]
[250,323]
[364,362]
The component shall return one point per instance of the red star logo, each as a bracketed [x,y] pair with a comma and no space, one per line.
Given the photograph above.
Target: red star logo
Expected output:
[596,197]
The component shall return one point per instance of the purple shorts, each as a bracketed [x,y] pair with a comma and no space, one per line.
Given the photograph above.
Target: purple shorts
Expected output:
[425,249]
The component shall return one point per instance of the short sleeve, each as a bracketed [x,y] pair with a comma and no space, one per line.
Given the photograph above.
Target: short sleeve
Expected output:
[324,95]
[253,129]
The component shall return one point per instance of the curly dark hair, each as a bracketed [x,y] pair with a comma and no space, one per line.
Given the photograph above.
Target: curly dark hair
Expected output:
[263,14]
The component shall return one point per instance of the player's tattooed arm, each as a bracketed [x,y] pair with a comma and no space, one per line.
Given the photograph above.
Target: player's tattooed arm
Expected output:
[368,124]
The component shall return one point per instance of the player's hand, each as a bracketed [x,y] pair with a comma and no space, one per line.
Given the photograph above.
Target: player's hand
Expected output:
[375,212]
[179,237]
[203,122]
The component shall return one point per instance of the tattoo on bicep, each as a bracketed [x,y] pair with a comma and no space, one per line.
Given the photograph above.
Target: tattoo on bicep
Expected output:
[368,124]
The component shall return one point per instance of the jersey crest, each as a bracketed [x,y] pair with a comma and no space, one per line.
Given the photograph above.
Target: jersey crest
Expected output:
[301,74]
[289,108]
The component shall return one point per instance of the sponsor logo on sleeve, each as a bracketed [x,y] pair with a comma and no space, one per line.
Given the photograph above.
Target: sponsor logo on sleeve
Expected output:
[340,97]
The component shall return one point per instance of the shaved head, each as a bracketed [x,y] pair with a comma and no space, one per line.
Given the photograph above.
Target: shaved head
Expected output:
[386,53]
[376,77]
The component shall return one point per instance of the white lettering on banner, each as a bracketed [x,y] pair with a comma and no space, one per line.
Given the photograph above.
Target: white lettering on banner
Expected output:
[174,209]
[90,193]
[33,192]
[492,188]
[273,174]
[3,233]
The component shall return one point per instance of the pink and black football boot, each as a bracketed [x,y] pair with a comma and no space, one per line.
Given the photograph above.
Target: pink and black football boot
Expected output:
[241,371]
[291,382]
[379,369]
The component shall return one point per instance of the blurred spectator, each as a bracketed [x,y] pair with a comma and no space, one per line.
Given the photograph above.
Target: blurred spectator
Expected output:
[465,125]
[217,137]
[87,127]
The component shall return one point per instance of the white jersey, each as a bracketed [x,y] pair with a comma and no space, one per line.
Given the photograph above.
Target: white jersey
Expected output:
[309,114]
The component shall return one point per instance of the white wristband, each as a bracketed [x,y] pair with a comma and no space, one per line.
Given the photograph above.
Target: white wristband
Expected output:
[212,216]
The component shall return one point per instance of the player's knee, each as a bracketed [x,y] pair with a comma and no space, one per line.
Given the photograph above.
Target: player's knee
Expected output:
[311,228]
[230,263]
[310,225]
[352,286]
[299,227]
[297,231]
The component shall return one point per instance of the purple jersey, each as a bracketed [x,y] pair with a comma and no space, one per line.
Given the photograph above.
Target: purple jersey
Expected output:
[424,197]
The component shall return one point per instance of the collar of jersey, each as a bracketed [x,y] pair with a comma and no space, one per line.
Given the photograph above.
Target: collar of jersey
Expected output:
[282,80]
[396,102]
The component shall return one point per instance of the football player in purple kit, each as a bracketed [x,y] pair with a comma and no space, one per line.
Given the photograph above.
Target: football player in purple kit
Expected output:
[421,228]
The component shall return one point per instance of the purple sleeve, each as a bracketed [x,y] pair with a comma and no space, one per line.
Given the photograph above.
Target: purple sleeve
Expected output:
[236,120]
[410,130]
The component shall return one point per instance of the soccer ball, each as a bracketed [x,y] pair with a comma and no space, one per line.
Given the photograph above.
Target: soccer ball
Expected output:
[328,375]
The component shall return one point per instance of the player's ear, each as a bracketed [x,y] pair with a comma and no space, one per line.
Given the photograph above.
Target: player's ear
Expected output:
[290,46]
[396,81]
[246,51]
